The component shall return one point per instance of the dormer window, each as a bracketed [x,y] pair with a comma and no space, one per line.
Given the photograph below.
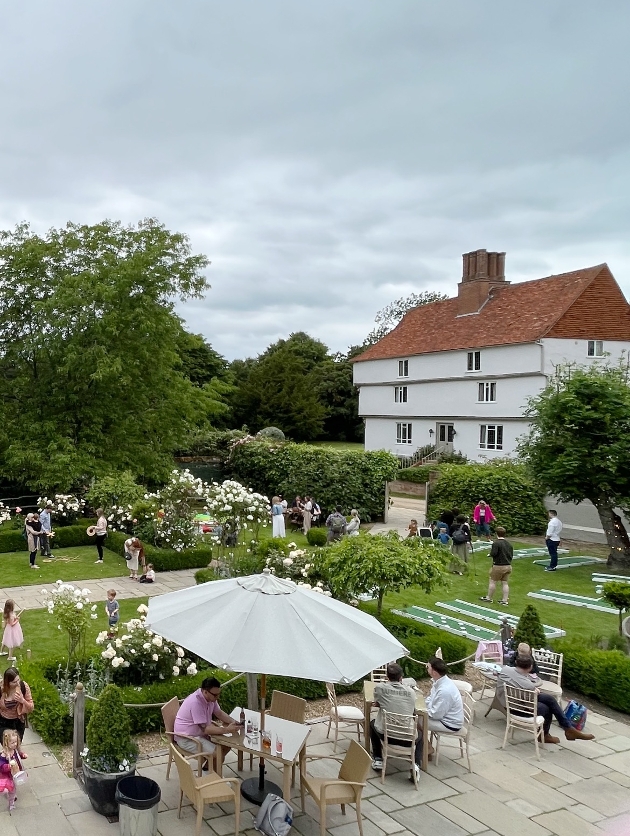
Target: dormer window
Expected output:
[403,368]
[595,348]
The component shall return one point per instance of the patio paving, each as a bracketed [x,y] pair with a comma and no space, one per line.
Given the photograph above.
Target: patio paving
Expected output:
[576,789]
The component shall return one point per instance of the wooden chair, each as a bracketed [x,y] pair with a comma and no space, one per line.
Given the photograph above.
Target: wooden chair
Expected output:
[463,735]
[346,788]
[462,686]
[286,707]
[169,713]
[342,714]
[489,678]
[403,728]
[211,789]
[525,703]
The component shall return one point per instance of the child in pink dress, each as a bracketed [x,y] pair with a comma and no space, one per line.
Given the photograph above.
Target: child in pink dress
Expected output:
[12,636]
[10,765]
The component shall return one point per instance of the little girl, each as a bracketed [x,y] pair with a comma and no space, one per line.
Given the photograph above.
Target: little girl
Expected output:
[10,764]
[12,636]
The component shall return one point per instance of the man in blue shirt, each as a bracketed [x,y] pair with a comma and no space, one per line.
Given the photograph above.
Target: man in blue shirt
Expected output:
[44,537]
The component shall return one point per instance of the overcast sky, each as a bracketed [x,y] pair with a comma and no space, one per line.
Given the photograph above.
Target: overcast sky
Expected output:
[330,156]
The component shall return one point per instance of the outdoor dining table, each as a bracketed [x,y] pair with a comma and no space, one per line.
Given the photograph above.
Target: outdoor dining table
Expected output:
[294,736]
[421,709]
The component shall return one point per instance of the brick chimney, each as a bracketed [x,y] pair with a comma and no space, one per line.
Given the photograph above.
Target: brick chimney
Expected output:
[482,271]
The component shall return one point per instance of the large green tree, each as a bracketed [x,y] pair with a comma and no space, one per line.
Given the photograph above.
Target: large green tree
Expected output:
[388,317]
[578,446]
[90,371]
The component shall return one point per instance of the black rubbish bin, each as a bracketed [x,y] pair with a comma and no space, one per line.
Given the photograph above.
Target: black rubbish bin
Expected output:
[138,800]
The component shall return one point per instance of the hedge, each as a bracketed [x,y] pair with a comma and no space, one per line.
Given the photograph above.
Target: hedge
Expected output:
[350,478]
[418,474]
[65,537]
[515,500]
[164,560]
[601,674]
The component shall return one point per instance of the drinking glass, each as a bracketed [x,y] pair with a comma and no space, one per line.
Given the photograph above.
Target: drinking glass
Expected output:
[278,745]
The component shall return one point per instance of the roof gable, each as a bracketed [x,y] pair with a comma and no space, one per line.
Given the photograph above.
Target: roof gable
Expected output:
[516,313]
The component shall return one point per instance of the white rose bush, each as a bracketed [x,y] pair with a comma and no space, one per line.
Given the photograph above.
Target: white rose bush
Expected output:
[301,566]
[241,509]
[72,609]
[138,656]
[65,507]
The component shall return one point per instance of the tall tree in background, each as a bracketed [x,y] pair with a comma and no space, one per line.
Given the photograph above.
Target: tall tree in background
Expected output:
[90,370]
[389,316]
[578,446]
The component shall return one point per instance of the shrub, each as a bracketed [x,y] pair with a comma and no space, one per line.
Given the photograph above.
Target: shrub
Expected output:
[272,433]
[72,535]
[617,642]
[12,541]
[420,474]
[205,575]
[515,500]
[50,715]
[108,737]
[265,548]
[601,674]
[529,629]
[211,443]
[113,490]
[351,478]
[316,537]
[618,595]
[73,611]
[164,560]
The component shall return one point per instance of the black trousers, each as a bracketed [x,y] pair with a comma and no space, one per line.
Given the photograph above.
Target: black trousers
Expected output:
[376,739]
[100,539]
[18,725]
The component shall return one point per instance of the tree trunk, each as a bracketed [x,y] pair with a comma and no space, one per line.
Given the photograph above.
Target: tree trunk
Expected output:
[616,535]
[379,606]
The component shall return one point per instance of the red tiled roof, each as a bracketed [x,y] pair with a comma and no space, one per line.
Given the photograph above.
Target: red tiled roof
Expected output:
[568,305]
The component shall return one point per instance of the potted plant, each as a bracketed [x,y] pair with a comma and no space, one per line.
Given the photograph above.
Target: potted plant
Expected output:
[110,753]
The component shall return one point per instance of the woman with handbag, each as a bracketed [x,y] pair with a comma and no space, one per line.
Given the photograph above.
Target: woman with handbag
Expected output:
[16,702]
[134,555]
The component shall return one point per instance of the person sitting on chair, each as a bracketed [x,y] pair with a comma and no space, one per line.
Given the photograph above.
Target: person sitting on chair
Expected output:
[520,676]
[197,717]
[445,709]
[398,698]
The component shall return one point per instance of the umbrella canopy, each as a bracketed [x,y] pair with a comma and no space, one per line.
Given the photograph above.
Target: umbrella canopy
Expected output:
[267,625]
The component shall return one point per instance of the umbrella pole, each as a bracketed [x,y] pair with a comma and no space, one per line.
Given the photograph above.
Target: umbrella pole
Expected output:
[257,790]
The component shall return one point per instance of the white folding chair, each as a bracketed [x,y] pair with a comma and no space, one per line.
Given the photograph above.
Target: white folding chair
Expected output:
[379,675]
[550,668]
[522,713]
[463,735]
[398,731]
[342,714]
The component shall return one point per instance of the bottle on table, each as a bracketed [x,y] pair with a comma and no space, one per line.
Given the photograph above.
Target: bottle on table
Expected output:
[242,717]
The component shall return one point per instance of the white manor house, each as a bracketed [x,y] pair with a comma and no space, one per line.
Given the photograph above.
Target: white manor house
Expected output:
[458,373]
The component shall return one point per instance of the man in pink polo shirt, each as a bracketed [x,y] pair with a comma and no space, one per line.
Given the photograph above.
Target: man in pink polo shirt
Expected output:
[197,718]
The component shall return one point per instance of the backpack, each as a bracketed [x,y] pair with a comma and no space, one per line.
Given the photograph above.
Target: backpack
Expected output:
[576,713]
[459,536]
[275,816]
[337,523]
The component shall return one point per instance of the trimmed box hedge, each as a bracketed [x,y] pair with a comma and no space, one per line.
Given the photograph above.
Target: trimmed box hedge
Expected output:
[601,674]
[65,537]
[164,560]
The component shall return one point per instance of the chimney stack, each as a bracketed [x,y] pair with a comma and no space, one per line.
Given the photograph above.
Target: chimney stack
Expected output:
[482,271]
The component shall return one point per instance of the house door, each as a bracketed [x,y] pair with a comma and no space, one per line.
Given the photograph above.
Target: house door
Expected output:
[445,437]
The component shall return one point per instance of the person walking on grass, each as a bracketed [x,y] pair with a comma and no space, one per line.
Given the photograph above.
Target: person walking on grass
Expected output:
[46,532]
[552,540]
[482,517]
[101,533]
[501,554]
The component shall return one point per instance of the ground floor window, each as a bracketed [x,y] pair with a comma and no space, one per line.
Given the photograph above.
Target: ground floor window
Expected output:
[491,436]
[403,433]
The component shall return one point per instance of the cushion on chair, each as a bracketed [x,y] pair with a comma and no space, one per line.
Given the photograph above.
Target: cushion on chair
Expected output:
[539,720]
[350,713]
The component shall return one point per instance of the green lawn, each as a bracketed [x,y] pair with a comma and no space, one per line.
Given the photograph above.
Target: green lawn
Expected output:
[74,564]
[526,577]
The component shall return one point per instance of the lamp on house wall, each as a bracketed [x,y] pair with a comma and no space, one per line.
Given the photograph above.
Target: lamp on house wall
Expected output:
[431,433]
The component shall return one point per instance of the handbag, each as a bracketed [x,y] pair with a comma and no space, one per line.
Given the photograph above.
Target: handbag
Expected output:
[275,816]
[576,713]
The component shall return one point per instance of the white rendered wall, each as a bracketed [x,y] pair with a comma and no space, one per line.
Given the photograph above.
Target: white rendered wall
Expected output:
[558,352]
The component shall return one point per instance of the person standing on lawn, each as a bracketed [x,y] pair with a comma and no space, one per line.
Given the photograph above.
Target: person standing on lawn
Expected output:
[101,533]
[482,517]
[44,537]
[33,529]
[552,540]
[501,554]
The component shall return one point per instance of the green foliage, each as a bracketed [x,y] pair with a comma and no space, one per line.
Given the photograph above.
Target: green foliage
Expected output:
[316,537]
[529,628]
[272,433]
[389,316]
[211,443]
[205,575]
[617,642]
[601,674]
[422,641]
[618,595]
[164,560]
[114,489]
[383,563]
[333,383]
[200,363]
[578,445]
[272,545]
[65,537]
[108,734]
[50,716]
[419,475]
[517,502]
[107,294]
[351,478]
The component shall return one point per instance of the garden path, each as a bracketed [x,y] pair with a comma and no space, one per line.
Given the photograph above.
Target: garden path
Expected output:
[31,597]
[576,789]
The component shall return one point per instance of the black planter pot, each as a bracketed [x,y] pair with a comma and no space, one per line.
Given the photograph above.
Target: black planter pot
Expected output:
[101,789]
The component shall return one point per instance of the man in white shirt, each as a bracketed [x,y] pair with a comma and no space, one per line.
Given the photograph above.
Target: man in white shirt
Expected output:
[396,697]
[445,709]
[552,540]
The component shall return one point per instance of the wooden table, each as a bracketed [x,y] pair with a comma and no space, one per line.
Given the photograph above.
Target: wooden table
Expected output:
[294,736]
[421,709]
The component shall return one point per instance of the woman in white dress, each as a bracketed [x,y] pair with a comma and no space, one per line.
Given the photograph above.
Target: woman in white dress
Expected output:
[134,555]
[307,514]
[352,529]
[277,516]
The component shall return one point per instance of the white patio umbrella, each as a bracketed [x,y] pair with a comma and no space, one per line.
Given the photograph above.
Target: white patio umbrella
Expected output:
[266,625]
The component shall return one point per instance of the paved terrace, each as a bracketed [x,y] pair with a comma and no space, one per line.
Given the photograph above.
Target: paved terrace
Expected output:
[576,789]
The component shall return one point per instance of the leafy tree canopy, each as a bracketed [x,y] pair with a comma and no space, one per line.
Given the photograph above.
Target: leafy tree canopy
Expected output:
[90,372]
[389,316]
[578,445]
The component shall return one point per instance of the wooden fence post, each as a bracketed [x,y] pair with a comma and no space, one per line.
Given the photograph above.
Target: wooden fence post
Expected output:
[78,734]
